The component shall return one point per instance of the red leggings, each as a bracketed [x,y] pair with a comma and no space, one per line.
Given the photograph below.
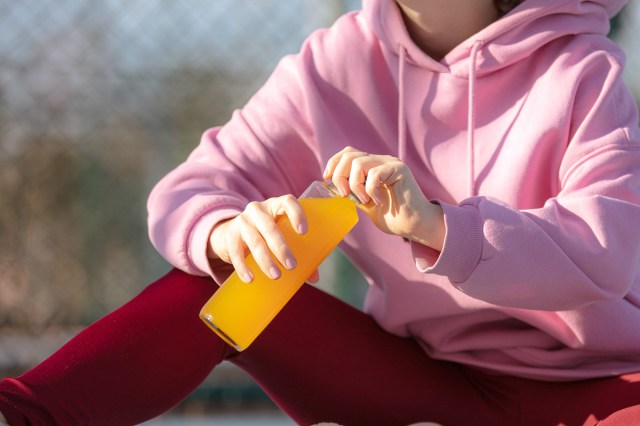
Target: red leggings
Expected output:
[320,360]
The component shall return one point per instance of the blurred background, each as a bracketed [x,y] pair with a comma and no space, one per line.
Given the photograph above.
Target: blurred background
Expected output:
[98,100]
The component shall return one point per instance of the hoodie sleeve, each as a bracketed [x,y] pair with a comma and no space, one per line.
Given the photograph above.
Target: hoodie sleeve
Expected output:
[583,244]
[265,150]
[275,145]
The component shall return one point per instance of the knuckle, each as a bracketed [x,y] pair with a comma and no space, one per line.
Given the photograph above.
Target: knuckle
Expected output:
[243,221]
[236,256]
[278,248]
[235,253]
[269,228]
[253,243]
[252,207]
[289,198]
[359,161]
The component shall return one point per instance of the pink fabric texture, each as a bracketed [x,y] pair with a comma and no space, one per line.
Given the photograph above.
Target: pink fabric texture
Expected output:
[525,134]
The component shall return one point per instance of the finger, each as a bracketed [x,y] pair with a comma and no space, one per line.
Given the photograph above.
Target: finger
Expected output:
[374,186]
[333,162]
[256,244]
[265,215]
[236,253]
[290,206]
[342,171]
[331,165]
[382,177]
[266,224]
[390,171]
[362,176]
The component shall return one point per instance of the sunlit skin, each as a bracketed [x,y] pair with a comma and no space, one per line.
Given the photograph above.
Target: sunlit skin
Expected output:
[393,199]
[437,26]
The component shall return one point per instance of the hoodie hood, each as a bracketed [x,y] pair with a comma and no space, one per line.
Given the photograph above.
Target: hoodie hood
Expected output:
[514,37]
[531,25]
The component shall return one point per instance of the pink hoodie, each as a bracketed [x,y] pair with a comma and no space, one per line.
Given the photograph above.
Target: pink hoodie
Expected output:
[526,135]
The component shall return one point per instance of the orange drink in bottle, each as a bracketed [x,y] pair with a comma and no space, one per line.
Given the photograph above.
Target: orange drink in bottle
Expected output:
[238,312]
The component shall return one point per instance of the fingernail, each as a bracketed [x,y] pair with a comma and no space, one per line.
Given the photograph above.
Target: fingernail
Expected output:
[274,273]
[302,228]
[342,191]
[247,277]
[290,263]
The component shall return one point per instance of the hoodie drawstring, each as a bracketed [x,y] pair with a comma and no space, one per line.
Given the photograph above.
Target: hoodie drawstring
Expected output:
[471,118]
[402,123]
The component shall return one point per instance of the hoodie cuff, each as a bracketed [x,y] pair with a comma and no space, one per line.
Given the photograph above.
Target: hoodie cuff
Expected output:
[462,245]
[199,240]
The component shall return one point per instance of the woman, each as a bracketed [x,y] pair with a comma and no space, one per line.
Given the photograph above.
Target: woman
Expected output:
[499,154]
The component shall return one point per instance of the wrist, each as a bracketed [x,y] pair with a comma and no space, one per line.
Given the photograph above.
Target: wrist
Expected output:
[215,247]
[430,230]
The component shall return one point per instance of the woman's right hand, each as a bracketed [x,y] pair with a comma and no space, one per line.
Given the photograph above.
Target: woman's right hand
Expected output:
[255,231]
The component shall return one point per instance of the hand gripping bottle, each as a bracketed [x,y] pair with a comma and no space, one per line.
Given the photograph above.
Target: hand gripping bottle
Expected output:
[238,312]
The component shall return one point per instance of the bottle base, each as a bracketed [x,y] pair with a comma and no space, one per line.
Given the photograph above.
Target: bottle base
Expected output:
[224,336]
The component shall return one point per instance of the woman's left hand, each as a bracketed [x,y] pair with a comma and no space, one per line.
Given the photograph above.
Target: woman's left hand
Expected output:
[390,193]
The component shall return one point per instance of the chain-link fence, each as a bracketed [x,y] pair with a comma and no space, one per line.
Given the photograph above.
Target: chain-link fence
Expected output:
[98,100]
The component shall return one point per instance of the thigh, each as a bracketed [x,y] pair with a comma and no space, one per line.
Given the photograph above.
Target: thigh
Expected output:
[608,401]
[323,360]
[625,417]
[127,367]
